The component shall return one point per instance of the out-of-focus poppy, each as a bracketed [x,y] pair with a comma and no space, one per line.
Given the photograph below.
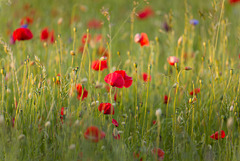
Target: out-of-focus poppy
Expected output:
[22,34]
[93,134]
[142,39]
[114,122]
[145,13]
[165,100]
[172,60]
[233,1]
[146,78]
[80,94]
[117,136]
[107,108]
[94,24]
[216,135]
[160,153]
[86,37]
[195,91]
[26,20]
[44,34]
[99,65]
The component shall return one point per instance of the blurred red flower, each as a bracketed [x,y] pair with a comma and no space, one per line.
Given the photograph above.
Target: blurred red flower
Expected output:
[86,37]
[44,34]
[195,91]
[80,93]
[62,115]
[145,13]
[142,39]
[115,122]
[93,134]
[216,136]
[137,155]
[26,20]
[146,78]
[94,24]
[99,65]
[22,34]
[165,99]
[160,153]
[107,108]
[52,37]
[234,1]
[47,36]
[117,136]
[172,60]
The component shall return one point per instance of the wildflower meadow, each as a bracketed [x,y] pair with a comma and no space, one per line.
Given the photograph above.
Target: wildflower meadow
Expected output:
[120,80]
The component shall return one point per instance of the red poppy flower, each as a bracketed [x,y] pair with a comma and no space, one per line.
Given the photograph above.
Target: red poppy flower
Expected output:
[234,1]
[196,91]
[52,37]
[137,155]
[115,96]
[94,134]
[115,80]
[145,13]
[115,122]
[117,136]
[172,60]
[107,108]
[44,34]
[165,99]
[22,34]
[99,64]
[85,37]
[26,20]
[146,78]
[62,115]
[154,122]
[142,39]
[216,136]
[128,80]
[79,92]
[13,122]
[94,24]
[160,153]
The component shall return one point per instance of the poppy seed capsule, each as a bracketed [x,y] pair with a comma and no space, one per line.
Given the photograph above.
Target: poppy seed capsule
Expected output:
[72,52]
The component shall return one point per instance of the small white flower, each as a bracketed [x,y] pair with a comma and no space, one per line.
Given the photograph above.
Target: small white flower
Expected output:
[158,112]
[95,103]
[72,146]
[47,124]
[84,80]
[21,137]
[231,108]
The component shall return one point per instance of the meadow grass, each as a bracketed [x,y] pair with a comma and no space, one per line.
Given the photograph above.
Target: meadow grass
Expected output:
[31,125]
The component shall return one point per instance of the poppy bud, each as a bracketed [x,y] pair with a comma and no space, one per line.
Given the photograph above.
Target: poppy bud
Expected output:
[72,52]
[188,68]
[74,29]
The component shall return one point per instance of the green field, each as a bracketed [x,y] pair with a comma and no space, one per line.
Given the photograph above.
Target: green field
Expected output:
[53,90]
